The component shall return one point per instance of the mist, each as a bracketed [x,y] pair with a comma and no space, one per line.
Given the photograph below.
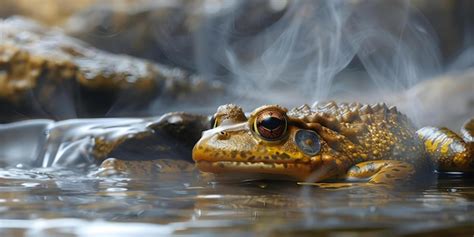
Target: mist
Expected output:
[367,51]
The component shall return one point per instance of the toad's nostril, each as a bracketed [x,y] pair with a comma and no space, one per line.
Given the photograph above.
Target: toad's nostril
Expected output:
[223,135]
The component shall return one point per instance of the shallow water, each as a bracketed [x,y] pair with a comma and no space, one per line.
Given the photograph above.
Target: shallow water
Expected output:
[52,201]
[60,202]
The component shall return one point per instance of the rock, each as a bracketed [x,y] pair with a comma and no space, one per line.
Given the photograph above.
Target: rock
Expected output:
[446,101]
[50,12]
[82,142]
[171,136]
[44,73]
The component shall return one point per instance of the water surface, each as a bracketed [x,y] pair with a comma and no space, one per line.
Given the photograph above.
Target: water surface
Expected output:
[64,202]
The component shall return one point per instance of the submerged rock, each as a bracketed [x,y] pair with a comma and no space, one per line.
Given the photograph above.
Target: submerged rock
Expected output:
[44,73]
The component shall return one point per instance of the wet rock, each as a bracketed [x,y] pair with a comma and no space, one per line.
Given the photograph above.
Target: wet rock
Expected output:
[82,142]
[44,73]
[51,12]
[171,136]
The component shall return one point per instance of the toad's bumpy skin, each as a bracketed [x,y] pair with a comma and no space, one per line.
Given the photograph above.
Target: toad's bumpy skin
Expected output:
[356,142]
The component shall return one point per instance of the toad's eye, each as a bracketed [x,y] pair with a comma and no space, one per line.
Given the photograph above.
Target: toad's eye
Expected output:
[270,124]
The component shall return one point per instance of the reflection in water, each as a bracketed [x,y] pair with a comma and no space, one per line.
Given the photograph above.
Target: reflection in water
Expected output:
[61,202]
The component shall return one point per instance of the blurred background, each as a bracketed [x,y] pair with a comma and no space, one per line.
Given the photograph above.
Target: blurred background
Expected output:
[103,58]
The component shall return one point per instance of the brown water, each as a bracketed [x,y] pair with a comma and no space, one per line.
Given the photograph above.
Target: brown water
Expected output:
[52,202]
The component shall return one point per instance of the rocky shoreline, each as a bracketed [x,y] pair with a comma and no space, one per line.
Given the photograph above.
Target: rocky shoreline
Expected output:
[46,74]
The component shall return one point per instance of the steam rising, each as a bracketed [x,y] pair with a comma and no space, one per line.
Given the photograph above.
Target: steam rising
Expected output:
[318,49]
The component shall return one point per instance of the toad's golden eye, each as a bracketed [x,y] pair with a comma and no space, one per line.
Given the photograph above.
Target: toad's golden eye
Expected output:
[270,124]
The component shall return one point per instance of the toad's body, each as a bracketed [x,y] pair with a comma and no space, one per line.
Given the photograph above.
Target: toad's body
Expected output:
[329,141]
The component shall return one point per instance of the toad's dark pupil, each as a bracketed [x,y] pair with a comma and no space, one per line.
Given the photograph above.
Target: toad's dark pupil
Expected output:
[271,123]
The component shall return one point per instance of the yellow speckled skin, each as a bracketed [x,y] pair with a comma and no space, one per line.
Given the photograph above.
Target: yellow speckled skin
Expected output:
[358,142]
[447,150]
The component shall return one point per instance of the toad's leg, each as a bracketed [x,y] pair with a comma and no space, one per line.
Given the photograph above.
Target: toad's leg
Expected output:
[447,150]
[381,172]
[378,172]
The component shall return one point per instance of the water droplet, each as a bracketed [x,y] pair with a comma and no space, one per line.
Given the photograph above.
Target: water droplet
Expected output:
[30,185]
[116,189]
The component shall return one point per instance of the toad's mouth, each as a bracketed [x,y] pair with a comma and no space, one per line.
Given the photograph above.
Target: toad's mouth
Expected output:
[290,171]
